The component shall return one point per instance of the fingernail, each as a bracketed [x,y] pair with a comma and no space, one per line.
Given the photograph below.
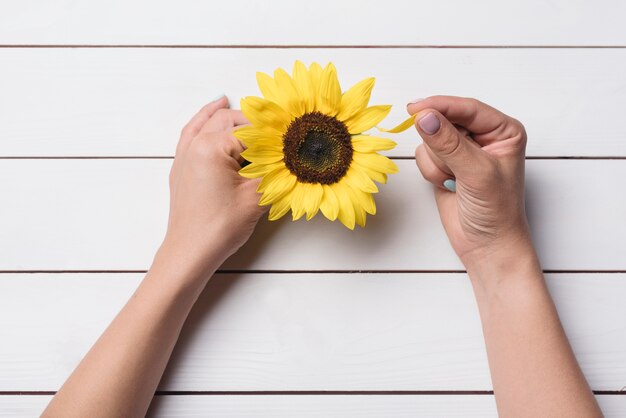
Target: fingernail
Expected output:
[450,185]
[429,123]
[414,101]
[218,97]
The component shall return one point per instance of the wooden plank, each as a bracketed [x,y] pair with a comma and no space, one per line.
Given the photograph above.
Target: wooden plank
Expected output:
[310,406]
[290,332]
[111,215]
[325,22]
[133,102]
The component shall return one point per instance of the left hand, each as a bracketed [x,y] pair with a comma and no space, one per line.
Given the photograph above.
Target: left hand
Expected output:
[213,209]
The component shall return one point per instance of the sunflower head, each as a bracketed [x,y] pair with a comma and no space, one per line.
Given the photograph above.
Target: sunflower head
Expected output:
[306,141]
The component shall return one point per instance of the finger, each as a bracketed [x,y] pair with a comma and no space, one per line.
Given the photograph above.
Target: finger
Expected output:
[486,123]
[429,169]
[199,119]
[226,142]
[437,161]
[224,120]
[453,149]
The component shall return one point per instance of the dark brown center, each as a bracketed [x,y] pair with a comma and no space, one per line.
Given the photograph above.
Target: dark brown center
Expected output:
[317,148]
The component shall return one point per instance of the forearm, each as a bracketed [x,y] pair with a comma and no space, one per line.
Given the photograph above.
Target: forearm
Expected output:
[122,370]
[533,368]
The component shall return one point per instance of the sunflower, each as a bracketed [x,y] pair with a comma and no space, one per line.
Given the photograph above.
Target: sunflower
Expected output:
[306,141]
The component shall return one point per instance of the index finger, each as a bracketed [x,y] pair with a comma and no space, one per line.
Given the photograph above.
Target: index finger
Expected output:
[483,121]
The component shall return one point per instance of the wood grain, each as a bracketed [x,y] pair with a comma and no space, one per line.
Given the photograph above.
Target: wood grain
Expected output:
[111,215]
[133,102]
[216,406]
[290,332]
[326,22]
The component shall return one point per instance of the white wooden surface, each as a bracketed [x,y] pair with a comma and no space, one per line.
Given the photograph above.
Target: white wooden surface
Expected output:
[84,80]
[303,332]
[112,98]
[321,22]
[111,215]
[336,406]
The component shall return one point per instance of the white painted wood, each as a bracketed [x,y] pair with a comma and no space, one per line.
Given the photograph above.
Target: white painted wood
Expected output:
[283,22]
[310,406]
[83,102]
[111,215]
[259,332]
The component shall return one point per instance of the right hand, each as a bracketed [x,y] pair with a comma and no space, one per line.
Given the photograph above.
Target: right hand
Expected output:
[482,150]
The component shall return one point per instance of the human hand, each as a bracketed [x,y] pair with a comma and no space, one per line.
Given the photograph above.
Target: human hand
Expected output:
[482,150]
[213,209]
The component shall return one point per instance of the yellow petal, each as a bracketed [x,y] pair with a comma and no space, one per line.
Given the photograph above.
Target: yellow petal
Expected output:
[359,212]
[264,144]
[297,201]
[363,204]
[367,119]
[357,179]
[329,92]
[255,170]
[274,191]
[329,205]
[366,201]
[268,87]
[346,209]
[290,98]
[373,174]
[273,180]
[264,114]
[355,99]
[315,72]
[312,198]
[402,127]
[262,156]
[250,135]
[280,207]
[302,80]
[376,162]
[367,143]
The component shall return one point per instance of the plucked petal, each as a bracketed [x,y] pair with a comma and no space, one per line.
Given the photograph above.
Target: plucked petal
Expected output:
[401,127]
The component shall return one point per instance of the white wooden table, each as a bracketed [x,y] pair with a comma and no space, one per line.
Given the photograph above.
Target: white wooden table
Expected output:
[309,319]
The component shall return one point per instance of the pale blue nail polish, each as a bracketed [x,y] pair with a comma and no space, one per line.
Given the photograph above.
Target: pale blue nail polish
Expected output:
[219,96]
[450,185]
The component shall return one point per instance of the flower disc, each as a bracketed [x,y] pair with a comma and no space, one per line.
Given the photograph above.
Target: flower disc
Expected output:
[318,148]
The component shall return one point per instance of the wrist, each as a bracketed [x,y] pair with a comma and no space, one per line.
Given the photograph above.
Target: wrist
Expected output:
[185,264]
[512,259]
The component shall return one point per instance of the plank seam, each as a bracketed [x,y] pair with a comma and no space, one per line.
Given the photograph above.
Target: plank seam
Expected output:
[307,392]
[239,271]
[320,46]
[170,157]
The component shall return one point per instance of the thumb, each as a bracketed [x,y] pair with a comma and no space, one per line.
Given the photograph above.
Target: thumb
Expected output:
[456,151]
